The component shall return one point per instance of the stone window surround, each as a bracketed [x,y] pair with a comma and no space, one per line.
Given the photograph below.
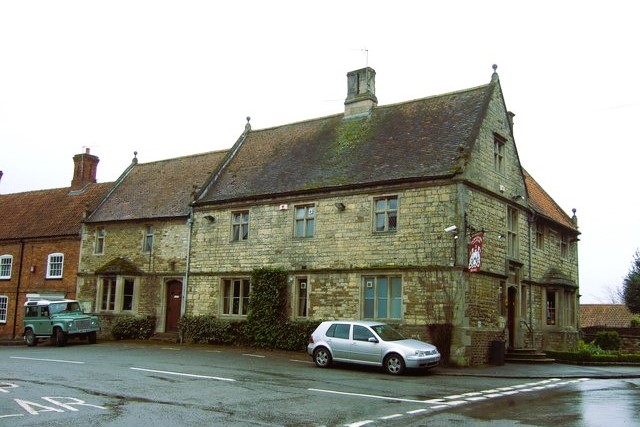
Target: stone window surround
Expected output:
[119,297]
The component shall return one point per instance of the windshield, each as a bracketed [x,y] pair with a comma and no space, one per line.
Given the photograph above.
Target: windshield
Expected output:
[65,307]
[387,333]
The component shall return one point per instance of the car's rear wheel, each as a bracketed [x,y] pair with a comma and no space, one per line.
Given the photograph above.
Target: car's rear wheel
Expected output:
[394,364]
[59,337]
[30,338]
[322,357]
[92,337]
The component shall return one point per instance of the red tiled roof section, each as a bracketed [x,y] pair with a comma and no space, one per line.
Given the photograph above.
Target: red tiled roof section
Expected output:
[610,315]
[47,213]
[161,189]
[413,140]
[543,204]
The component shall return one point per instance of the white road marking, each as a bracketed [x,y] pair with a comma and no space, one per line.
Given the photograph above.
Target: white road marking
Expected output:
[448,402]
[182,374]
[371,396]
[253,355]
[170,348]
[47,360]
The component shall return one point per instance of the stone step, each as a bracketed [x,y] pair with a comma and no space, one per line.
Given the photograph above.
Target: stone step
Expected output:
[526,355]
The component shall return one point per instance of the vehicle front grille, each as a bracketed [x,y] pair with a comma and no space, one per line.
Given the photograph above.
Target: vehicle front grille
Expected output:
[83,324]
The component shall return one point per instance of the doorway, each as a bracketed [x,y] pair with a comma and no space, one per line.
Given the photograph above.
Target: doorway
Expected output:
[512,295]
[174,305]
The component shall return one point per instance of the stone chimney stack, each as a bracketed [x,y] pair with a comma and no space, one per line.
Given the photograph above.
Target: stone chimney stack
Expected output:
[361,93]
[85,169]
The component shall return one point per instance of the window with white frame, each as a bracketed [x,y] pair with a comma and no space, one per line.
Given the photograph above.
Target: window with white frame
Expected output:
[382,297]
[147,241]
[117,294]
[386,213]
[6,262]
[55,263]
[240,226]
[4,306]
[498,153]
[305,221]
[302,297]
[235,296]
[100,235]
[512,232]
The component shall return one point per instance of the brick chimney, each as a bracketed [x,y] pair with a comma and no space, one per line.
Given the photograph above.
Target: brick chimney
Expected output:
[361,93]
[85,169]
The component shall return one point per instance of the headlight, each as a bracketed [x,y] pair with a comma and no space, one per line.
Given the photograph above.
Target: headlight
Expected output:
[421,353]
[71,324]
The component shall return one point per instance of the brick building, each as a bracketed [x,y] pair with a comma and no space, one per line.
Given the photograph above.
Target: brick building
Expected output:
[372,212]
[134,245]
[40,241]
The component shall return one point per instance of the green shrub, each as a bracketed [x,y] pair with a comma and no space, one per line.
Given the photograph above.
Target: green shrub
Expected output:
[607,340]
[133,327]
[635,322]
[267,315]
[295,334]
[211,330]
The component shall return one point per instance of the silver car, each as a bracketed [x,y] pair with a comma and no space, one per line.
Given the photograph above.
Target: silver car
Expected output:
[369,343]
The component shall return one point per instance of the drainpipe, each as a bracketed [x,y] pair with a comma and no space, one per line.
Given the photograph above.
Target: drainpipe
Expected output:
[17,306]
[531,221]
[183,308]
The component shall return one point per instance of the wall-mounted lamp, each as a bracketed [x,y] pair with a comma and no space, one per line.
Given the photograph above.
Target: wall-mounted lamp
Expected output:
[340,206]
[451,229]
[517,197]
[210,218]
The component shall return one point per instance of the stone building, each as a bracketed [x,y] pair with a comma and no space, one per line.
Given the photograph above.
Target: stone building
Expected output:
[134,244]
[374,212]
[40,241]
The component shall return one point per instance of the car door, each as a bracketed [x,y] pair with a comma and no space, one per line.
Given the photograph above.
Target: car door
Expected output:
[338,338]
[363,350]
[42,323]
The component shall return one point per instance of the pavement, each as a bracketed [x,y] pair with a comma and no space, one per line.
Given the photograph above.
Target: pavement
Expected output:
[508,370]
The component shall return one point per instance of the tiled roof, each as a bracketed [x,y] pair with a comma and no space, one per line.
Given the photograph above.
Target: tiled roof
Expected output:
[413,140]
[161,189]
[543,204]
[610,315]
[47,213]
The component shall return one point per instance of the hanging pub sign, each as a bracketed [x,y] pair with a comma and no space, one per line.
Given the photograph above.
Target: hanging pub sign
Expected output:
[475,252]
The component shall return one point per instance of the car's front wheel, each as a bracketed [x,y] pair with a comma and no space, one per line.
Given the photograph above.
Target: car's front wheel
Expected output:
[59,337]
[322,357]
[30,338]
[394,364]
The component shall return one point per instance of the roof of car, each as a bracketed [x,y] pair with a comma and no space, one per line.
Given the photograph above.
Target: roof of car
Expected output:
[47,301]
[356,322]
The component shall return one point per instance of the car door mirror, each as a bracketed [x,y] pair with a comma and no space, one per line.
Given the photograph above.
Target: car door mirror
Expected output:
[372,339]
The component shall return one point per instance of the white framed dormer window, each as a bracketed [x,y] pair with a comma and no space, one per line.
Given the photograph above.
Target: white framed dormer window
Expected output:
[6,262]
[55,263]
[100,235]
[4,306]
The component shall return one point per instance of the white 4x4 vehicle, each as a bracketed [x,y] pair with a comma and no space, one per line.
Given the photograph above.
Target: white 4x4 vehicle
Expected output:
[58,320]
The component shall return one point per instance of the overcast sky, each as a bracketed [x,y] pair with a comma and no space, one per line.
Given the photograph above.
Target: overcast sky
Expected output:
[173,78]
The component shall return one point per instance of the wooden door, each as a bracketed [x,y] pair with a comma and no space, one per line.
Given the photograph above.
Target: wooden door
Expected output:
[174,305]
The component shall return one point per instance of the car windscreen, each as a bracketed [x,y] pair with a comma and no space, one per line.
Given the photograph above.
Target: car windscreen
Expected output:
[65,307]
[387,333]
